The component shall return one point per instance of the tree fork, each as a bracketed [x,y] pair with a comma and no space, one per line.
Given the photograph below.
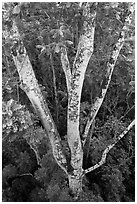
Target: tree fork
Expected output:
[83,55]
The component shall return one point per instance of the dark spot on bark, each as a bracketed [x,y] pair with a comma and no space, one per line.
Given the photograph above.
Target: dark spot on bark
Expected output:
[104,83]
[111,61]
[70,169]
[120,35]
[21,49]
[100,93]
[93,7]
[115,47]
[75,144]
[38,123]
[13,51]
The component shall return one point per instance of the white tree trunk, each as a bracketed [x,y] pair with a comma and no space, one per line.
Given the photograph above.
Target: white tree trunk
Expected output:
[84,52]
[75,184]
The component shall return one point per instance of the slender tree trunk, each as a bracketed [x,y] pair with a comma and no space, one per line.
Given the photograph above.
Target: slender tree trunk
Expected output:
[84,52]
[55,87]
[88,143]
[54,82]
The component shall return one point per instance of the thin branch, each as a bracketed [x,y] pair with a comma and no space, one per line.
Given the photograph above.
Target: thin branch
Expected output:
[127,112]
[26,174]
[33,146]
[104,155]
[7,63]
[66,67]
[54,81]
[17,92]
[55,87]
[88,141]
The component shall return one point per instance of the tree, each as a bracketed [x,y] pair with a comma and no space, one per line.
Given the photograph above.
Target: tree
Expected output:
[72,164]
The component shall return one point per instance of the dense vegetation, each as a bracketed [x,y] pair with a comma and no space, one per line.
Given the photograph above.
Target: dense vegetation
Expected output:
[29,177]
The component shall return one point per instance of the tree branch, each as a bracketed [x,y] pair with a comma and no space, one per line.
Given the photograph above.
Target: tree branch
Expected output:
[104,155]
[84,52]
[30,86]
[55,88]
[127,112]
[88,142]
[66,66]
[107,78]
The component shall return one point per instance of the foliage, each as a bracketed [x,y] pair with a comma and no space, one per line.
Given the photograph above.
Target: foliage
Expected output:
[15,118]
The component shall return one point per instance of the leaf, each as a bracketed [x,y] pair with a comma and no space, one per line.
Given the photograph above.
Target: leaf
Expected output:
[132,38]
[44,32]
[131,90]
[53,31]
[40,46]
[8,88]
[68,5]
[61,32]
[130,58]
[47,52]
[55,35]
[69,42]
[23,162]
[57,49]
[9,103]
[53,191]
[132,83]
[67,31]
[9,171]
[41,174]
[114,4]
[16,9]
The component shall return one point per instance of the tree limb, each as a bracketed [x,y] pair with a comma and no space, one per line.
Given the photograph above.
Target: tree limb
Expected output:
[127,112]
[55,88]
[84,52]
[30,86]
[107,78]
[66,67]
[88,142]
[104,155]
